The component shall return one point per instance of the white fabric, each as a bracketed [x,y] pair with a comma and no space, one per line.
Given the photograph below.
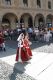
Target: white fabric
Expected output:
[47,36]
[20,43]
[30,30]
[2,45]
[37,31]
[30,43]
[20,37]
[19,59]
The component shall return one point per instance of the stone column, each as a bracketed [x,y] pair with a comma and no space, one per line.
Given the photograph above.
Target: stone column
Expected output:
[45,17]
[1,1]
[20,3]
[26,22]
[18,22]
[12,23]
[29,3]
[12,2]
[33,21]
[52,21]
[45,23]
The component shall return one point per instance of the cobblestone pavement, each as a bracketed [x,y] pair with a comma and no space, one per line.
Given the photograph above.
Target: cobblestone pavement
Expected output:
[42,47]
[8,72]
[36,46]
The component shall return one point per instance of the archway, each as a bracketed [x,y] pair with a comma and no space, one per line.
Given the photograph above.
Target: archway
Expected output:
[49,20]
[39,21]
[26,20]
[9,20]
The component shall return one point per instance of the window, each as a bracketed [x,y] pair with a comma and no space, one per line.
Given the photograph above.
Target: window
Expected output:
[25,2]
[49,4]
[8,2]
[38,3]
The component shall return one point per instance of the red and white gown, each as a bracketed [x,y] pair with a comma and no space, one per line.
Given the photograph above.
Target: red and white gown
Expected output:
[27,46]
[23,52]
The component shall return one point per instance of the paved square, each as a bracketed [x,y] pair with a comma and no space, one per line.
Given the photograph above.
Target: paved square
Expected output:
[40,67]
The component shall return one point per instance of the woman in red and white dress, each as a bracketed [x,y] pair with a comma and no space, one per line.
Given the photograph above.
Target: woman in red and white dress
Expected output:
[27,44]
[22,51]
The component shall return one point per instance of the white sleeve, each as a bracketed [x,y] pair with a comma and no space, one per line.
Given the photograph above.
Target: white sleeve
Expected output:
[20,44]
[17,39]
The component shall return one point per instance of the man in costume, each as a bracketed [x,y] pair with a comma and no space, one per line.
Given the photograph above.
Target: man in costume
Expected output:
[22,52]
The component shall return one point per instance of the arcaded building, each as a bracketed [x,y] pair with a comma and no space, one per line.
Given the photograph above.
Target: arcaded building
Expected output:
[30,13]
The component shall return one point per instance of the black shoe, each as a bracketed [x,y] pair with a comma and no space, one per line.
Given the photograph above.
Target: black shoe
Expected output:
[4,49]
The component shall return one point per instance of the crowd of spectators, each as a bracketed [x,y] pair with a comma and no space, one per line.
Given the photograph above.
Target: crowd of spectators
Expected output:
[34,33]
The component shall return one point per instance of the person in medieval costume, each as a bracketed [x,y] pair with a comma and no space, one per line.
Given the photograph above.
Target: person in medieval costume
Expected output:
[27,44]
[22,54]
[2,42]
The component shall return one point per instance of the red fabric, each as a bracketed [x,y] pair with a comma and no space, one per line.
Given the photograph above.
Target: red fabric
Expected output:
[26,45]
[16,57]
[25,55]
[1,40]
[29,51]
[17,54]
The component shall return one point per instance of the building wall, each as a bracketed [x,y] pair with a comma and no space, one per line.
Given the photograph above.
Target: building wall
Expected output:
[18,9]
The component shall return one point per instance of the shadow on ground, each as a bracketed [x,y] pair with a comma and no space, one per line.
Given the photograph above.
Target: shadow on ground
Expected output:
[17,72]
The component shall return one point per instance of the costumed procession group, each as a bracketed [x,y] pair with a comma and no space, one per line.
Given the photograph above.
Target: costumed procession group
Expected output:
[23,50]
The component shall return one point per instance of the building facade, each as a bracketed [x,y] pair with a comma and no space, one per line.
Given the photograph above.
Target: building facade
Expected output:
[31,13]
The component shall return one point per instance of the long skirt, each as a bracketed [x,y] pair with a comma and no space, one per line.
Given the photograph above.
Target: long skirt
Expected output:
[29,51]
[24,55]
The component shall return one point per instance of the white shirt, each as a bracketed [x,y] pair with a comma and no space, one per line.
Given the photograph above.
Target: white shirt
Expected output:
[20,43]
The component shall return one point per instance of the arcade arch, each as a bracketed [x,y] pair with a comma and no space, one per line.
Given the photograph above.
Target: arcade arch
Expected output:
[49,20]
[39,21]
[9,20]
[26,20]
